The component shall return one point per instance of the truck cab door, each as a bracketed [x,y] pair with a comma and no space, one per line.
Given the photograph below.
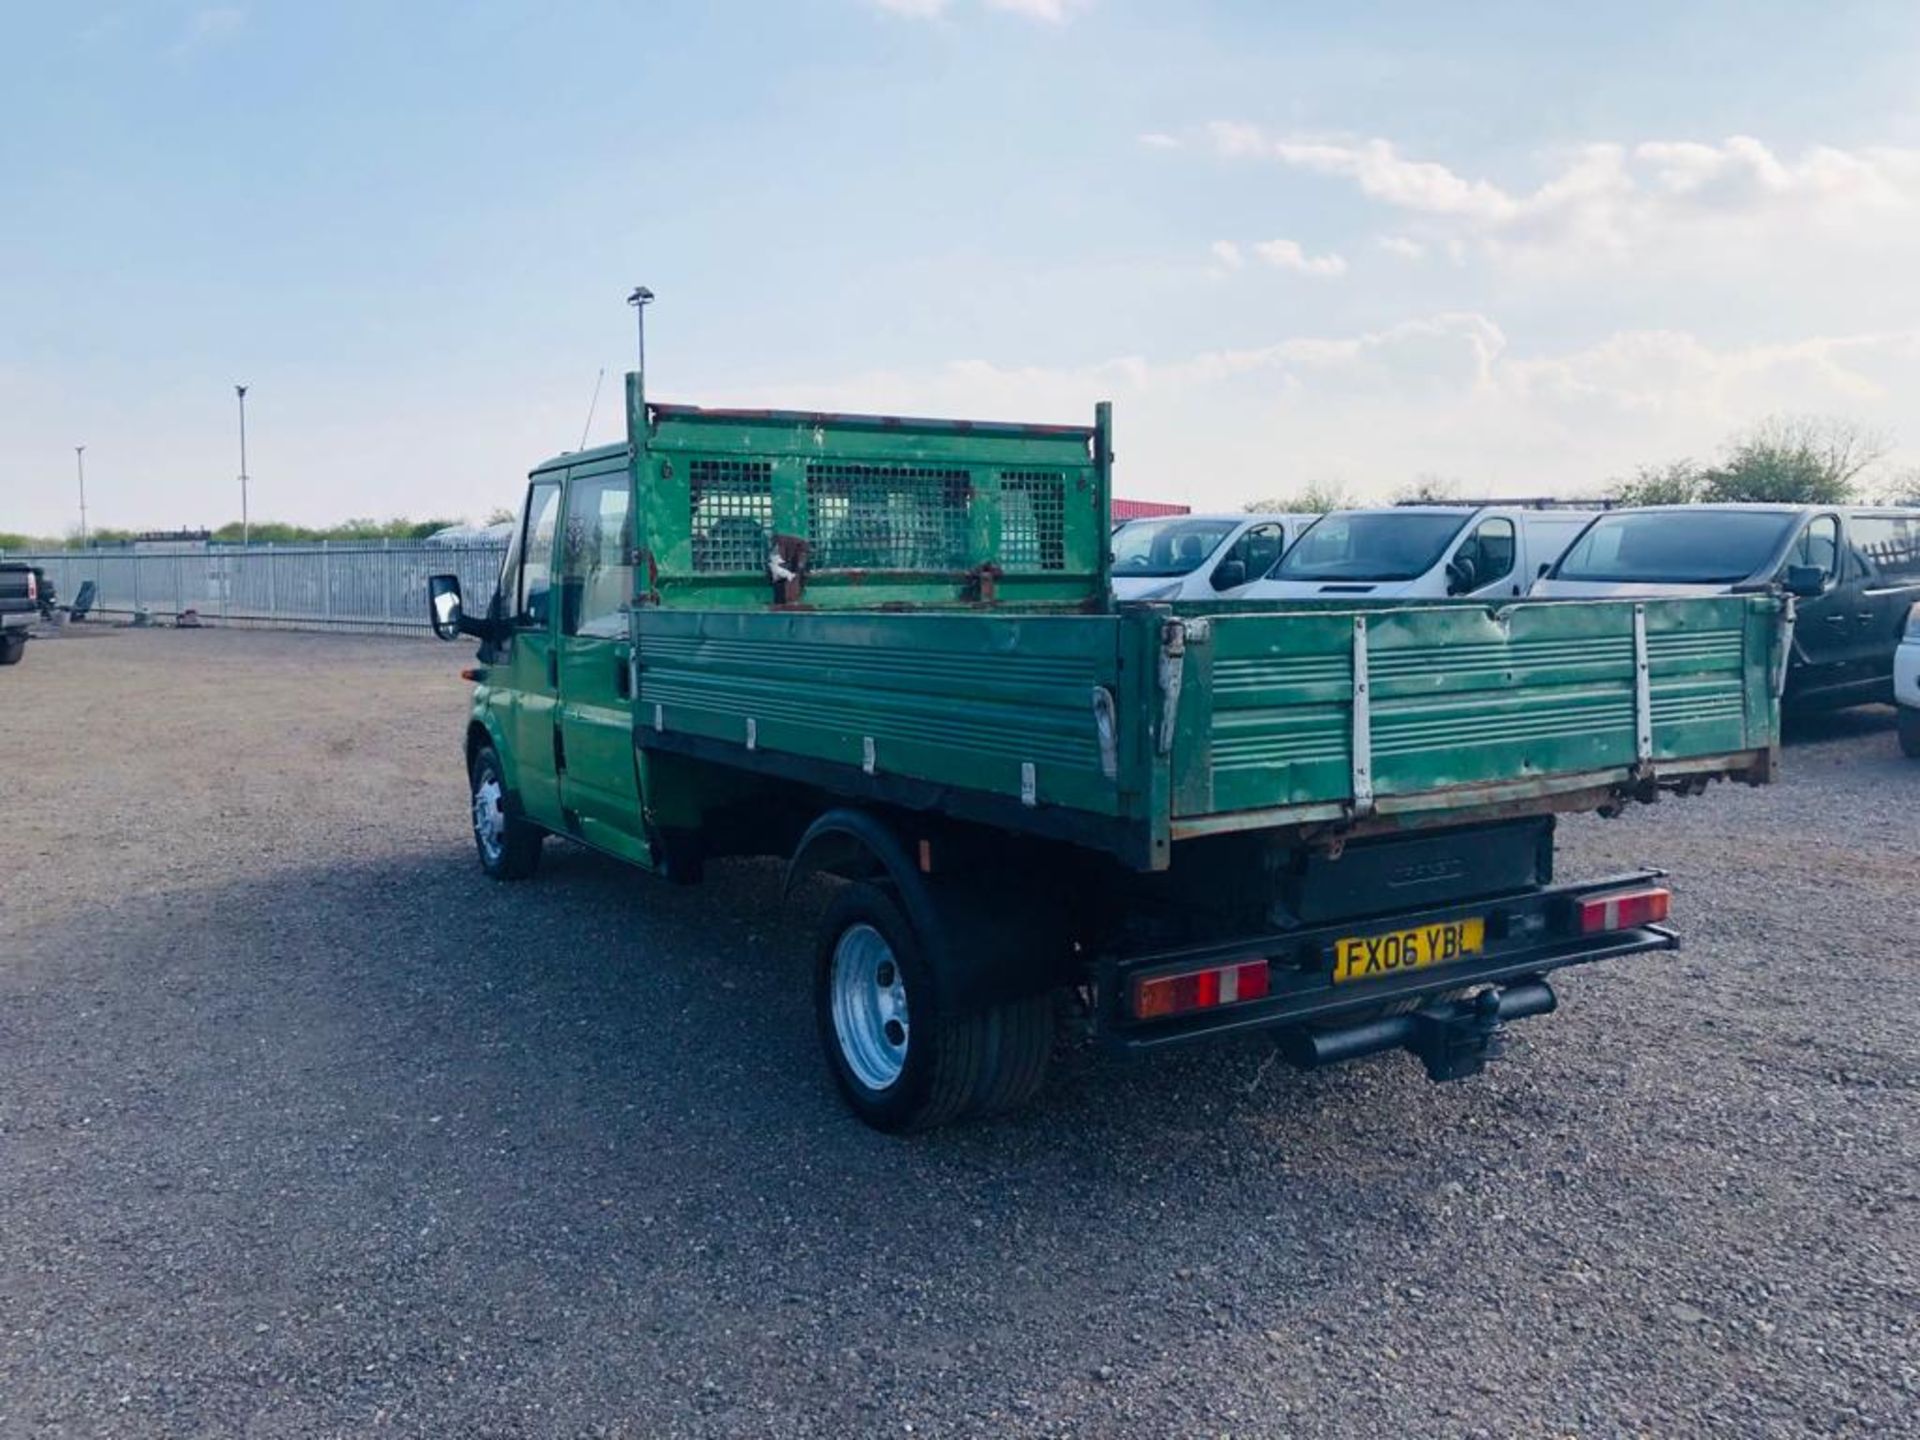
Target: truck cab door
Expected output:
[1824,624]
[531,669]
[1885,550]
[599,785]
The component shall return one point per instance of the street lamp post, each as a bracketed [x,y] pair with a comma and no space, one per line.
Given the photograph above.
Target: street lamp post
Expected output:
[80,464]
[246,531]
[640,299]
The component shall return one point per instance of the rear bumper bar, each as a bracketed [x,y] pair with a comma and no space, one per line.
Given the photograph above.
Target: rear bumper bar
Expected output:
[1529,935]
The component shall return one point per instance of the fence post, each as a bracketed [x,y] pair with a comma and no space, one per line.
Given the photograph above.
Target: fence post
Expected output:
[326,581]
[273,585]
[386,582]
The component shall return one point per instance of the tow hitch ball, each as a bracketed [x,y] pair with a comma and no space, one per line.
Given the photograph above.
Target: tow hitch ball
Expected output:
[1457,1039]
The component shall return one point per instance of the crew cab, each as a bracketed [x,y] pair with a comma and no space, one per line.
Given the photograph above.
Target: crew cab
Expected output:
[1855,569]
[1906,685]
[887,650]
[1410,552]
[1199,557]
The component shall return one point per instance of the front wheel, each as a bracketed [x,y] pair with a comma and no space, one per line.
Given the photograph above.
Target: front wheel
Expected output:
[1910,731]
[12,647]
[509,844]
[904,1058]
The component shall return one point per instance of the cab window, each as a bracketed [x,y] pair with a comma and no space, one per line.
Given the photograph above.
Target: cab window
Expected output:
[1889,546]
[596,579]
[1818,545]
[534,604]
[1256,551]
[1489,551]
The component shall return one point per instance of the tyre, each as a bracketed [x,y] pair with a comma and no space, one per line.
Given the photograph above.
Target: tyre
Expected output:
[1909,731]
[12,647]
[508,843]
[903,1058]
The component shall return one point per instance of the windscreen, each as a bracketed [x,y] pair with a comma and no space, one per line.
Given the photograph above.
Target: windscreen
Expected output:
[1371,545]
[1683,547]
[1172,546]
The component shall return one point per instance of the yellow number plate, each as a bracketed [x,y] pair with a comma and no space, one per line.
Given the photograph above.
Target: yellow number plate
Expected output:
[1371,957]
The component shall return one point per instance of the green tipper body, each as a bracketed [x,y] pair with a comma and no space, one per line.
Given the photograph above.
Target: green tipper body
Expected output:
[944,641]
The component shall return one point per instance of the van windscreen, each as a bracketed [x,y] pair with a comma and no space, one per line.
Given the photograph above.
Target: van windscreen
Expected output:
[1371,545]
[1152,548]
[1684,547]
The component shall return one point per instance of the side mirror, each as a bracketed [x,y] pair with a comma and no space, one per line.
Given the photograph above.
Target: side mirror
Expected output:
[1541,573]
[1460,575]
[1806,581]
[1229,574]
[445,608]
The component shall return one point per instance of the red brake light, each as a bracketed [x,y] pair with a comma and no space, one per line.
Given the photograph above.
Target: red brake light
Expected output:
[33,586]
[1624,909]
[1162,995]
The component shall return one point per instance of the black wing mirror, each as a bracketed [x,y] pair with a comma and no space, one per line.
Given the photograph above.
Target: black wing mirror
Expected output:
[447,610]
[1229,574]
[1806,581]
[1461,575]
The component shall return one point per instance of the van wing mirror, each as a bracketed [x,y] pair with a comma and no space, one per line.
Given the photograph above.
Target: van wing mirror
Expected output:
[447,611]
[1806,581]
[1462,575]
[1229,574]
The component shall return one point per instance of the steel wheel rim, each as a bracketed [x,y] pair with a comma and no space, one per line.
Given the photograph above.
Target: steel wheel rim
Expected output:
[489,815]
[869,1003]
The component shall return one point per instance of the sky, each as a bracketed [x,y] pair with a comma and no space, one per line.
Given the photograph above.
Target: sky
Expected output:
[1523,247]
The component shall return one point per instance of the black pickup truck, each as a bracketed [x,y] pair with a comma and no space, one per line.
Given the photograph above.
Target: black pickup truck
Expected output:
[19,609]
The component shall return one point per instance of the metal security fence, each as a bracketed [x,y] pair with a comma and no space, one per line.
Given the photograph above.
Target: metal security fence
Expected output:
[366,586]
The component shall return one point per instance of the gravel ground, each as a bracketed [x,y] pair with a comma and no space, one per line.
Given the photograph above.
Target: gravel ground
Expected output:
[307,1129]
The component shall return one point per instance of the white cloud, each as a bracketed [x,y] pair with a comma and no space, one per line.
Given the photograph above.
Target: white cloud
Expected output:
[1448,393]
[1053,12]
[209,26]
[1228,254]
[1287,255]
[1620,201]
[1158,140]
[1046,12]
[1405,246]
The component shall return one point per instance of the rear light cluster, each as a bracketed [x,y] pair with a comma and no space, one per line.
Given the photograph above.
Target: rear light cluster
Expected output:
[1624,909]
[1157,997]
[33,586]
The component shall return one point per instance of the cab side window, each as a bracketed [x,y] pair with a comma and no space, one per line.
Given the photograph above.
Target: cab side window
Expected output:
[595,576]
[1889,547]
[1491,551]
[1256,551]
[534,604]
[1818,546]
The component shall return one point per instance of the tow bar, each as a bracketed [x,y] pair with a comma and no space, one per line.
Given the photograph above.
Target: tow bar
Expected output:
[1452,1038]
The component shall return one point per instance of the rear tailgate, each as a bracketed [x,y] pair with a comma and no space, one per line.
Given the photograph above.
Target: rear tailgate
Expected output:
[1289,716]
[16,590]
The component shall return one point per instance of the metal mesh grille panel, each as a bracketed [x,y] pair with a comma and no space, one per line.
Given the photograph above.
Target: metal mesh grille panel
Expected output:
[887,517]
[732,509]
[1033,520]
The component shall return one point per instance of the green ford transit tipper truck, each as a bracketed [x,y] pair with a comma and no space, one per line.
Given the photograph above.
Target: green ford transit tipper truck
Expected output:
[884,649]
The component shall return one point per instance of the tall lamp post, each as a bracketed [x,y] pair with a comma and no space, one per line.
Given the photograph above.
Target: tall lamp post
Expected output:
[246,530]
[639,300]
[80,464]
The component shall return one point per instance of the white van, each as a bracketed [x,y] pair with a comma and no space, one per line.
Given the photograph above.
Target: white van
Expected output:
[1417,551]
[1198,557]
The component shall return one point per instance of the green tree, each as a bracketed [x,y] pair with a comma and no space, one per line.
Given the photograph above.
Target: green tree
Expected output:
[1903,489]
[1678,482]
[1428,489]
[501,515]
[1315,498]
[1801,460]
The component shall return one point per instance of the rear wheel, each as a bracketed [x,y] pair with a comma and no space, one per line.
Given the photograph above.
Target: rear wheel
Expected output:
[904,1057]
[12,647]
[508,843]
[1910,731]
